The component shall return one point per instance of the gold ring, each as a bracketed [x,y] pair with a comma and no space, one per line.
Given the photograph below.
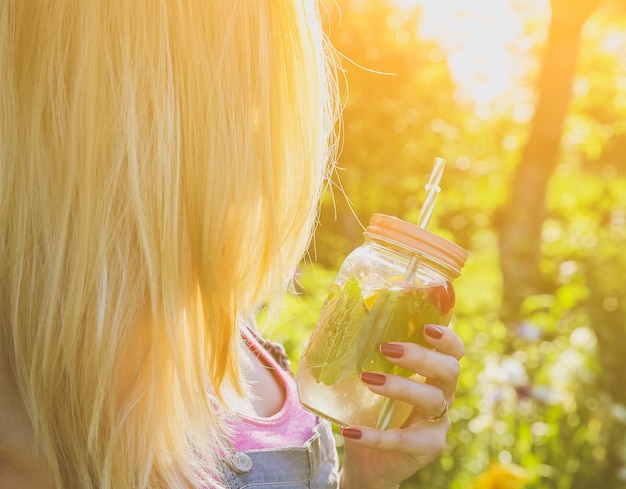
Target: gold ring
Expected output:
[439,416]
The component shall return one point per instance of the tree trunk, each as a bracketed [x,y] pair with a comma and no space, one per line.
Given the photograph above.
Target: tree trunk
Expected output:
[522,218]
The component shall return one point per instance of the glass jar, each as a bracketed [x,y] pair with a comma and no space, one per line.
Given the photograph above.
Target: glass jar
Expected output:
[386,290]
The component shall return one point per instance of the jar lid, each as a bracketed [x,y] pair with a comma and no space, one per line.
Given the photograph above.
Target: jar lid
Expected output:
[419,239]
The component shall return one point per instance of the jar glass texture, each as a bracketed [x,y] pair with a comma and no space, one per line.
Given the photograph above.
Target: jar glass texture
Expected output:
[386,290]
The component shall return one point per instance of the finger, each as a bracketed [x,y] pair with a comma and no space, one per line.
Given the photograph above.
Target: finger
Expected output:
[428,400]
[441,369]
[441,417]
[428,441]
[444,340]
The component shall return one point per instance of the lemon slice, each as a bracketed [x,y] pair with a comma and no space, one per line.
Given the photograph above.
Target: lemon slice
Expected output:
[371,299]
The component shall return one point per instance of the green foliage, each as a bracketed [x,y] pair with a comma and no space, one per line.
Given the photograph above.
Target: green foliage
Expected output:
[550,395]
[535,398]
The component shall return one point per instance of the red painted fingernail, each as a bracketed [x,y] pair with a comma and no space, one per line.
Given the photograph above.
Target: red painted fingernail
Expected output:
[392,350]
[433,331]
[372,378]
[352,433]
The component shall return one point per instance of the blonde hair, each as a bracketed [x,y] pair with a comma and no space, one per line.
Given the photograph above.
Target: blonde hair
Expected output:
[160,169]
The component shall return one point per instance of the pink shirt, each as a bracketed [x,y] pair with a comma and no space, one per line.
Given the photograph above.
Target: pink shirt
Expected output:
[292,426]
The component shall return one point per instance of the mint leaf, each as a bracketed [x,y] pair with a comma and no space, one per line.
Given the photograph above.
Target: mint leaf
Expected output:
[340,326]
[387,321]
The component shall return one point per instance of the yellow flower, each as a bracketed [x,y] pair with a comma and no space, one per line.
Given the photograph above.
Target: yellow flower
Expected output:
[503,476]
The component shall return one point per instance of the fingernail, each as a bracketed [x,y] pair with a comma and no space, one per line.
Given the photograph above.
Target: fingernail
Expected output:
[352,433]
[372,378]
[433,331]
[392,350]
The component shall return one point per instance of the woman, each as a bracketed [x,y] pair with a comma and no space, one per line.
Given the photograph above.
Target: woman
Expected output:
[160,168]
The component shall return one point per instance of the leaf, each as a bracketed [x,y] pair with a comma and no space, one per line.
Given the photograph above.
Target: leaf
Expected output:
[387,321]
[333,346]
[422,311]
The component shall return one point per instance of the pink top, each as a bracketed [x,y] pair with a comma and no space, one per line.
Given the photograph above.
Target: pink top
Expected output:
[292,426]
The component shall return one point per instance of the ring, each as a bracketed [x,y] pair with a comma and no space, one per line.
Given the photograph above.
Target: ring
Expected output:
[439,416]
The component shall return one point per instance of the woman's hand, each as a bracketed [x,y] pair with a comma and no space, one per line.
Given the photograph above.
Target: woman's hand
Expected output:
[383,459]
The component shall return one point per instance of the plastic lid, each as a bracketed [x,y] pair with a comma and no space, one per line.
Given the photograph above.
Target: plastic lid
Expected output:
[419,239]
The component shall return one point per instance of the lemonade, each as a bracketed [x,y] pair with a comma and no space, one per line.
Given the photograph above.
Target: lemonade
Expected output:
[354,321]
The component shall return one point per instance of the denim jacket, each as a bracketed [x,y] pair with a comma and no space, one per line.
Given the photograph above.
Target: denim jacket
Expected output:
[313,466]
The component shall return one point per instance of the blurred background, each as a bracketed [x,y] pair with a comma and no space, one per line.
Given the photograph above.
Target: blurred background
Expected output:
[526,99]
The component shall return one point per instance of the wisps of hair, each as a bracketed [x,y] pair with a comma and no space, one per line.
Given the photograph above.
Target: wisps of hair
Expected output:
[160,169]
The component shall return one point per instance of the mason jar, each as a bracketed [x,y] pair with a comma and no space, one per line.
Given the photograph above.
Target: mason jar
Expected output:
[386,290]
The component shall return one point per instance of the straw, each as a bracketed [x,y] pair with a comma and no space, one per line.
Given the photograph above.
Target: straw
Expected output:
[432,189]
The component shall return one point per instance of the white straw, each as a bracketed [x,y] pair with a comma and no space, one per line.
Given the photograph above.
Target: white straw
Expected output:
[432,189]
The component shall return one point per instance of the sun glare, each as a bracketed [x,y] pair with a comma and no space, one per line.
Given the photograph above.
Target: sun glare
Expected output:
[478,37]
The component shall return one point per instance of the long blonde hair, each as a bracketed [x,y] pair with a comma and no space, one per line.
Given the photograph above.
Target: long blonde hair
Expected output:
[161,162]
